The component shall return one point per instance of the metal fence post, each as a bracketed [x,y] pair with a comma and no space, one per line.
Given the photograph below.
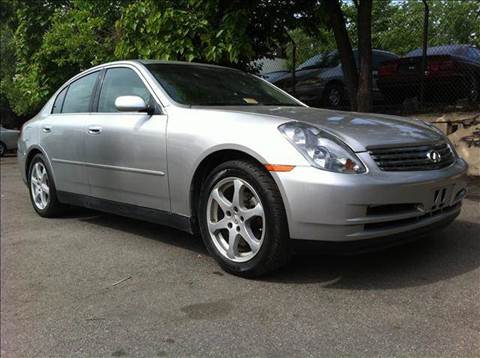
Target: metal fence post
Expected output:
[294,63]
[424,52]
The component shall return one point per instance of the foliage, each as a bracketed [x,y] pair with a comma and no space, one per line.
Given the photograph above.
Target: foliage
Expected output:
[44,42]
[398,27]
[184,30]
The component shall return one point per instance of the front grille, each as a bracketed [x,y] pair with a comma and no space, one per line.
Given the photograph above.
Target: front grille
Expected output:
[412,158]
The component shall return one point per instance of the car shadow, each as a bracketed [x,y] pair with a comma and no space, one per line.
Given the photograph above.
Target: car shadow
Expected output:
[437,257]
[143,229]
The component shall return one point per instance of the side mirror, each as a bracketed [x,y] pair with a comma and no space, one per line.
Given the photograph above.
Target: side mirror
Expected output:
[132,104]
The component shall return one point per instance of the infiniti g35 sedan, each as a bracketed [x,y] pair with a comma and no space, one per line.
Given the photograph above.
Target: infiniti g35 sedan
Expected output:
[216,151]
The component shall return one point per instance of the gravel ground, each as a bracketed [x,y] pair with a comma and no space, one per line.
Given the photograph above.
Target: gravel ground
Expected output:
[91,284]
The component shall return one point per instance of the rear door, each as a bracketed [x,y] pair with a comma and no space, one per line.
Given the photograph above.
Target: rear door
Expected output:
[62,134]
[126,151]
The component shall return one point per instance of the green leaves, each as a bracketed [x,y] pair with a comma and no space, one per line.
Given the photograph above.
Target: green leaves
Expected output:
[186,30]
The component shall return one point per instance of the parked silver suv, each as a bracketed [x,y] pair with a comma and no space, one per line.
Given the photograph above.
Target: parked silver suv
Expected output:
[214,150]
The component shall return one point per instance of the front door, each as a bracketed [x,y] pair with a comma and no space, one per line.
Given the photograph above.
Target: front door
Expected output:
[126,151]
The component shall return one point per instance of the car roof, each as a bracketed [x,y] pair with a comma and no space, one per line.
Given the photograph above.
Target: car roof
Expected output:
[438,50]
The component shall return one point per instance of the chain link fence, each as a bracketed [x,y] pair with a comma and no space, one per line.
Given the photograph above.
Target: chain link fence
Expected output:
[405,79]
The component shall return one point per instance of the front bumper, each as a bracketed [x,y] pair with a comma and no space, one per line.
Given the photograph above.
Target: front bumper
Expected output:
[325,206]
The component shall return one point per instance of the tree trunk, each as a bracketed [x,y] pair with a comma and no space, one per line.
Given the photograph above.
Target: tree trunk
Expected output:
[337,21]
[364,20]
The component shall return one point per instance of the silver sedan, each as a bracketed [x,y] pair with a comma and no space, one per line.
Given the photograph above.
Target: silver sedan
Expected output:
[216,151]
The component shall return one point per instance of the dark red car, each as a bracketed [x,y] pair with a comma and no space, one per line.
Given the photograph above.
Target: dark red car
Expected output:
[453,72]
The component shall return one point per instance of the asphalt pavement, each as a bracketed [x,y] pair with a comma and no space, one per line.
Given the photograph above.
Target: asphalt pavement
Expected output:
[92,284]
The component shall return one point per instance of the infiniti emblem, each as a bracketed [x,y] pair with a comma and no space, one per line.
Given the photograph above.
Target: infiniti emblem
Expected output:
[434,156]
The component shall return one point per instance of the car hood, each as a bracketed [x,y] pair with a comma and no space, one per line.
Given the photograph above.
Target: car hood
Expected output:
[361,131]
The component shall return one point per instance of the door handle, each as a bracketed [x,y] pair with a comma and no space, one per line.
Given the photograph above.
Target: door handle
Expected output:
[94,130]
[46,129]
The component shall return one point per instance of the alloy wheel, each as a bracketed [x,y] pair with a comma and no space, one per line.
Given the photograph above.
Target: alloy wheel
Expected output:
[334,97]
[236,219]
[40,188]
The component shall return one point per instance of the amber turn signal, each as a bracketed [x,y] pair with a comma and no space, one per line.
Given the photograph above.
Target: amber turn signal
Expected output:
[279,167]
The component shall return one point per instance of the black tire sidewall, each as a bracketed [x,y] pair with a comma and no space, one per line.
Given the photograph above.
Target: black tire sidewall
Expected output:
[274,228]
[4,149]
[52,207]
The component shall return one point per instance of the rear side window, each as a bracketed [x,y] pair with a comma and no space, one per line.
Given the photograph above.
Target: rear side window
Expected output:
[57,105]
[121,82]
[79,94]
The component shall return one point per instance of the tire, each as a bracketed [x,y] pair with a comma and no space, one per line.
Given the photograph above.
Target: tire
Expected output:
[334,96]
[39,178]
[268,226]
[3,149]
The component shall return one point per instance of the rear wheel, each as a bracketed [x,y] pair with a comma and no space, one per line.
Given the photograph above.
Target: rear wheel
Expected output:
[42,188]
[242,219]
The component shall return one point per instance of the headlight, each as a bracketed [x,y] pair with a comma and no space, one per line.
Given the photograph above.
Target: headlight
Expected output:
[321,149]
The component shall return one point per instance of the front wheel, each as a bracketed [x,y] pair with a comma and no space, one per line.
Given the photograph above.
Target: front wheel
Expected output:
[242,219]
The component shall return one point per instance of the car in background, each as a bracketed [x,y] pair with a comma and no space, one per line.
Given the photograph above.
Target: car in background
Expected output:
[453,72]
[274,75]
[8,140]
[320,82]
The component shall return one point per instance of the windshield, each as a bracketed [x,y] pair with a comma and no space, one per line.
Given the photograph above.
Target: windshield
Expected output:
[215,86]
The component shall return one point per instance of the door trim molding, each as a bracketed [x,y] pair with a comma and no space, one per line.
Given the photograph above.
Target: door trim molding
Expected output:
[113,167]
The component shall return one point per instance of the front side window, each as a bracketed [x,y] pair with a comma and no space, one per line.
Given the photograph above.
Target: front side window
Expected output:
[216,86]
[121,82]
[79,94]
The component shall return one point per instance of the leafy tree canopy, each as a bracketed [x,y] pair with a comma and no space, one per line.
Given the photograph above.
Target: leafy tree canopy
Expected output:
[44,42]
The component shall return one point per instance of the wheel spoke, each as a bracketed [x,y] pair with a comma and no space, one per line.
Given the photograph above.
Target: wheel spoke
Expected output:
[250,239]
[257,210]
[219,225]
[43,197]
[233,240]
[35,181]
[221,200]
[237,187]
[38,172]
[45,188]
